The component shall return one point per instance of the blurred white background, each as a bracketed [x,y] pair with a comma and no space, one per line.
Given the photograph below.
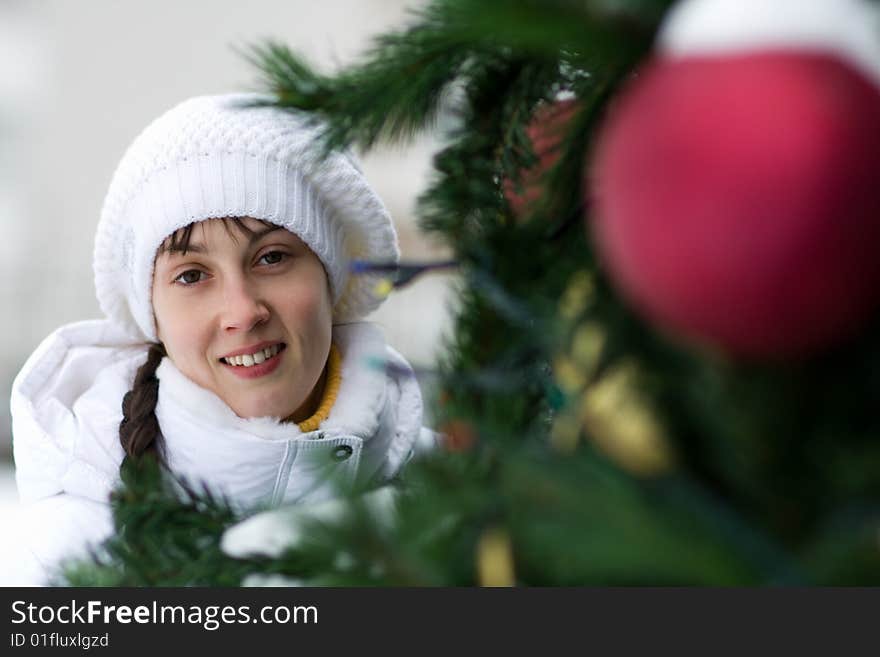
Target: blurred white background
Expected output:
[79,80]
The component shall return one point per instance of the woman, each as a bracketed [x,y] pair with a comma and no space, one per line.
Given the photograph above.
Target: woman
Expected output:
[232,349]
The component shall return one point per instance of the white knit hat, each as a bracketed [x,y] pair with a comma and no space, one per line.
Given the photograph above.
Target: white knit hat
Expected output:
[222,156]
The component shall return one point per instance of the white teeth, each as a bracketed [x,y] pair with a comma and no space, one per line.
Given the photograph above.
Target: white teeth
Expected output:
[247,360]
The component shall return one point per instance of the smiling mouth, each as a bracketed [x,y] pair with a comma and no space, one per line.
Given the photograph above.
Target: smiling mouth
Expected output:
[256,358]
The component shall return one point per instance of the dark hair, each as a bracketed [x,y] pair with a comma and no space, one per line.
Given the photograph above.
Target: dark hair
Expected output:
[178,241]
[139,431]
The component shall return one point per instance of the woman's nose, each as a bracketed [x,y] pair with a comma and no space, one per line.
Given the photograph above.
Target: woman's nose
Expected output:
[243,308]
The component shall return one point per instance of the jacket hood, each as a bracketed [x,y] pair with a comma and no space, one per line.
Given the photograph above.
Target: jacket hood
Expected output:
[67,405]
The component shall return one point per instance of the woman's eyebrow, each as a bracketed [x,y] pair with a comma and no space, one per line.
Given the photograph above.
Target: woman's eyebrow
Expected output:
[259,234]
[180,252]
[195,247]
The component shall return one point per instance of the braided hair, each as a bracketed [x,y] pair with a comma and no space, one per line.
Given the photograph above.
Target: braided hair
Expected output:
[139,430]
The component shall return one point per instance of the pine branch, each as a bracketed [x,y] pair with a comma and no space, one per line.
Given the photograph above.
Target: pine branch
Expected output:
[406,75]
[395,94]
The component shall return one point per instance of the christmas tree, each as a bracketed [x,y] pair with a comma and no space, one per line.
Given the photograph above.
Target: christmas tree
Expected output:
[664,361]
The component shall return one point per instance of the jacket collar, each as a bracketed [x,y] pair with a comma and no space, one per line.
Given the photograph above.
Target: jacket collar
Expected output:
[66,407]
[357,411]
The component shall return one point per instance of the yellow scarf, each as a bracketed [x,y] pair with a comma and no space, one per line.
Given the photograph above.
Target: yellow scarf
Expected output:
[331,389]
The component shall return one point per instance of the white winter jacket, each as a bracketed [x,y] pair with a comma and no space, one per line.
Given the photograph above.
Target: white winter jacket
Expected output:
[67,406]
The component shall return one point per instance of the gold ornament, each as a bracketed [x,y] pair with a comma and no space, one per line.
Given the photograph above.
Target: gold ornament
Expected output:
[495,558]
[577,295]
[572,373]
[570,377]
[383,288]
[587,344]
[621,425]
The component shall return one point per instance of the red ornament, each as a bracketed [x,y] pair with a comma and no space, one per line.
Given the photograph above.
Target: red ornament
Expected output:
[738,199]
[546,131]
[458,436]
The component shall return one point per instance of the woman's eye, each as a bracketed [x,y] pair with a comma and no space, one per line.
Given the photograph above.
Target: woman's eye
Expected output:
[189,277]
[272,257]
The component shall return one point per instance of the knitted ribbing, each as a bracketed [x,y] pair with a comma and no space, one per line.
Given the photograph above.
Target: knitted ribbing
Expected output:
[331,390]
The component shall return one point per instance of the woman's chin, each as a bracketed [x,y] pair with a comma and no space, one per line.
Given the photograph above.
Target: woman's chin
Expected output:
[261,410]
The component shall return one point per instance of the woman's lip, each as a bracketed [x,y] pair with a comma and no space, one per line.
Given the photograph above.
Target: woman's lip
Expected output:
[252,349]
[255,371]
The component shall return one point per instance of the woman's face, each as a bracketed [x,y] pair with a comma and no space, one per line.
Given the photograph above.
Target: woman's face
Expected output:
[246,317]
